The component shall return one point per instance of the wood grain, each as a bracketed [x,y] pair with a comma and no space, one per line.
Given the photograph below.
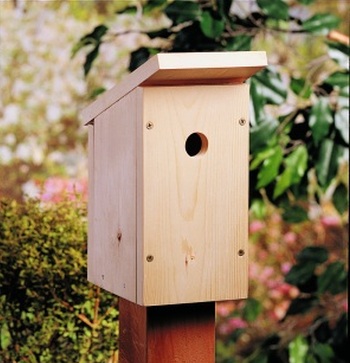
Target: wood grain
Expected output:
[112,239]
[195,209]
[167,334]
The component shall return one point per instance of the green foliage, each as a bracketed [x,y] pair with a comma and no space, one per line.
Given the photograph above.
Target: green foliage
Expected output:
[314,327]
[312,133]
[93,39]
[48,311]
[321,23]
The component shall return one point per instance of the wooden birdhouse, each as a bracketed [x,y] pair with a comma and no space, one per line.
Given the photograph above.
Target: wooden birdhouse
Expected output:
[168,180]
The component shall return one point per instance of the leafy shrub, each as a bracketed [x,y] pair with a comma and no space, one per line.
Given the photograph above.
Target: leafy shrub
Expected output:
[297,310]
[48,311]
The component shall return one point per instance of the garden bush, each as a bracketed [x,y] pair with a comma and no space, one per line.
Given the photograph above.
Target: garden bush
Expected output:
[50,313]
[48,310]
[297,306]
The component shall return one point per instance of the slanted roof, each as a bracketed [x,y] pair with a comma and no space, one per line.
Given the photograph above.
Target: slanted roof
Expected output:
[182,69]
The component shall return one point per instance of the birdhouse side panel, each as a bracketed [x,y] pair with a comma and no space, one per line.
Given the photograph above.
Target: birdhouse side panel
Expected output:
[195,201]
[112,219]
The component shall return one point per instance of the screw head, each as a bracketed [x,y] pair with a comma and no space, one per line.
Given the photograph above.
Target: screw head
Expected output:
[242,121]
[149,258]
[241,253]
[149,125]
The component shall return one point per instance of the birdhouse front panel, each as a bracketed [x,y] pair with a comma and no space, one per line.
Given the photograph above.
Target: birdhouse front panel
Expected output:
[193,194]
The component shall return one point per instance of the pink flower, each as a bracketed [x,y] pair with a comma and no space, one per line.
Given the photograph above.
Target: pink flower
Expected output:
[256,226]
[224,309]
[280,310]
[290,238]
[330,221]
[262,255]
[56,189]
[285,267]
[266,273]
[230,325]
[253,270]
[345,305]
[237,323]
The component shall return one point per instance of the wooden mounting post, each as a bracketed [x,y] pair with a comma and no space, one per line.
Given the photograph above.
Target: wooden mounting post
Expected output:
[166,334]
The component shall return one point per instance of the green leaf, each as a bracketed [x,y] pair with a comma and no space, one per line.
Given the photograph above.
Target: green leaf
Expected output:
[138,57]
[283,182]
[257,102]
[296,167]
[294,213]
[151,5]
[342,123]
[251,310]
[239,43]
[261,134]
[270,86]
[224,7]
[343,97]
[341,198]
[96,92]
[321,23]
[328,161]
[5,336]
[125,9]
[311,359]
[258,208]
[323,352]
[333,279]
[298,349]
[91,56]
[211,26]
[314,254]
[339,79]
[300,273]
[276,9]
[181,11]
[261,156]
[301,88]
[339,53]
[270,167]
[161,33]
[320,120]
[306,2]
[301,305]
[94,38]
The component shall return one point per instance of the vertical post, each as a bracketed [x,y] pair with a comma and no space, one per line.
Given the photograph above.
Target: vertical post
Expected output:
[166,334]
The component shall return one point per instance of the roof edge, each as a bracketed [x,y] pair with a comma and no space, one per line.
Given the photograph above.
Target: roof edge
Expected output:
[180,69]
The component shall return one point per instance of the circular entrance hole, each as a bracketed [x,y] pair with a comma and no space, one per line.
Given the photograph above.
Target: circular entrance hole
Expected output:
[196,143]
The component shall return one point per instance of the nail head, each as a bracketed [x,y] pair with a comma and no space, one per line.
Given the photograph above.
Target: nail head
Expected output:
[149,258]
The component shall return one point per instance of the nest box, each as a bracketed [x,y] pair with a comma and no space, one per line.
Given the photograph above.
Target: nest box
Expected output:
[168,180]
